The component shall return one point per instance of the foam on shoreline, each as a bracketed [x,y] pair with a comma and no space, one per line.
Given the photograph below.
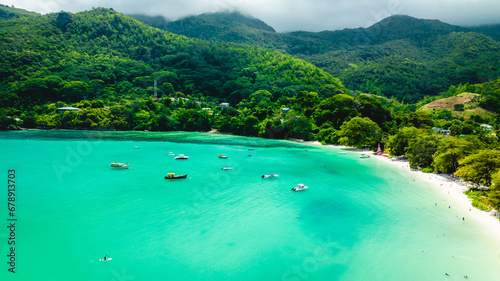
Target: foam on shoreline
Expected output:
[452,188]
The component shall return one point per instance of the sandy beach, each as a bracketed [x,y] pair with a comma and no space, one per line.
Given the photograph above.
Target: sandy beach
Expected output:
[451,187]
[454,189]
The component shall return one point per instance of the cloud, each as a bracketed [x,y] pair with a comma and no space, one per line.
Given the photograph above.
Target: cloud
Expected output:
[290,15]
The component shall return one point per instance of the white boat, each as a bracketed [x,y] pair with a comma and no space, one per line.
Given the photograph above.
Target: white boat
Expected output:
[227,168]
[342,152]
[364,155]
[300,187]
[181,157]
[171,154]
[270,176]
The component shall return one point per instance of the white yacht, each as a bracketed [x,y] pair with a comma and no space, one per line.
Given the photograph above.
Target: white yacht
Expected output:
[300,187]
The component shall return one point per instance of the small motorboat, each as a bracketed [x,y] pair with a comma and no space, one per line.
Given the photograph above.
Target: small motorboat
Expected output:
[181,157]
[227,168]
[342,152]
[222,156]
[120,166]
[270,176]
[172,176]
[171,154]
[136,147]
[364,155]
[300,187]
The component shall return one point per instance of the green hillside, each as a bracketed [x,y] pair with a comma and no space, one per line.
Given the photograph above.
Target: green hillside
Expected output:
[221,27]
[400,56]
[397,27]
[492,30]
[154,21]
[489,92]
[7,13]
[217,22]
[103,53]
[408,72]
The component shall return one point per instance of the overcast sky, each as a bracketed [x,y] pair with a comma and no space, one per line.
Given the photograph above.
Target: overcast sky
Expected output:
[291,15]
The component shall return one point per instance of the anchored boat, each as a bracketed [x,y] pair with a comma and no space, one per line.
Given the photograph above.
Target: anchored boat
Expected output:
[181,157]
[172,176]
[120,166]
[300,187]
[270,176]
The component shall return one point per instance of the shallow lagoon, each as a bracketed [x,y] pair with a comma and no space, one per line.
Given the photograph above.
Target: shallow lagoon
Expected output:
[361,219]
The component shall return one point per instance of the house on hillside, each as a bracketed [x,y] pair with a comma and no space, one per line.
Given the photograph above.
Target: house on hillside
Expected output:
[486,127]
[224,104]
[68,108]
[441,131]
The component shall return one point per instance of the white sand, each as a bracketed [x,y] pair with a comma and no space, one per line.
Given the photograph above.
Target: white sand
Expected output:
[451,188]
[454,190]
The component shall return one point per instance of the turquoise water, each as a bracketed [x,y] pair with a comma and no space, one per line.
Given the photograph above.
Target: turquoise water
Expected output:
[361,219]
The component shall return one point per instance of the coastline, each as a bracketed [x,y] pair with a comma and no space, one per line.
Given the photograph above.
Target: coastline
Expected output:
[454,190]
[449,188]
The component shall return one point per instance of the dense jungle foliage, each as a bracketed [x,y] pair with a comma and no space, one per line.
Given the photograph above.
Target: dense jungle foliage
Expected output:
[400,56]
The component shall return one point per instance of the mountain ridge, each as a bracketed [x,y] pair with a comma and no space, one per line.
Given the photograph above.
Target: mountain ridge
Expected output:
[399,56]
[425,59]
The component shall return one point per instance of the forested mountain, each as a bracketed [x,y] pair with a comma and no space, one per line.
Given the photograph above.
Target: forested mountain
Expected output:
[408,72]
[400,56]
[103,53]
[492,30]
[397,27]
[154,21]
[7,12]
[222,26]
[216,22]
